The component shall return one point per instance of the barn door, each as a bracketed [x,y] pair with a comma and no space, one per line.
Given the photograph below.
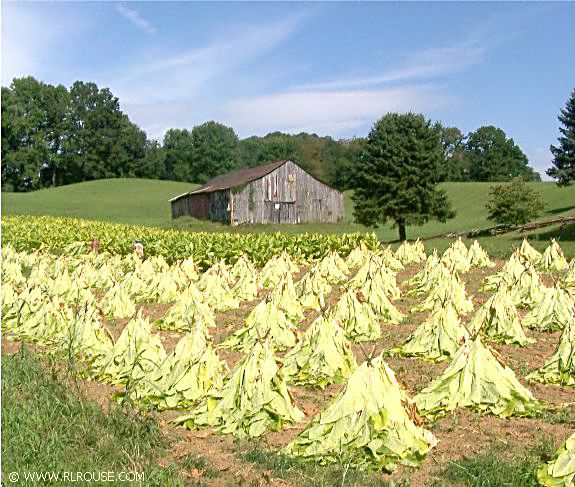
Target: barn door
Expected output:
[288,213]
[273,212]
[317,210]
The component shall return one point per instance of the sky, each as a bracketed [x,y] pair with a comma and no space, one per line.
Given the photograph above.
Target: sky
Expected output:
[330,68]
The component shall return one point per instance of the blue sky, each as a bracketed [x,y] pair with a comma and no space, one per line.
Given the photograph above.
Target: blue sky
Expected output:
[332,68]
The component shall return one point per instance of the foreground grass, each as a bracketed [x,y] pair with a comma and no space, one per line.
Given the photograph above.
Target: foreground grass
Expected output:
[295,470]
[48,426]
[493,468]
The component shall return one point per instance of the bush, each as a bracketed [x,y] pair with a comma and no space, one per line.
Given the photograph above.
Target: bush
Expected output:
[514,203]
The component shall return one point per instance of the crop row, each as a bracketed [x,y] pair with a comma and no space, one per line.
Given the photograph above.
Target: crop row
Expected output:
[27,233]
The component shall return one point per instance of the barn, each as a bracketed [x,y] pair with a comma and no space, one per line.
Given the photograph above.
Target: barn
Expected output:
[281,192]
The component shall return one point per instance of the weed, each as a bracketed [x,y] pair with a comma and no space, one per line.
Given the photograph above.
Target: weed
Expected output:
[308,473]
[558,416]
[198,462]
[492,468]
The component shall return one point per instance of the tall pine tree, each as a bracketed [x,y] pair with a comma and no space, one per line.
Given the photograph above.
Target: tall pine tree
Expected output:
[397,174]
[564,154]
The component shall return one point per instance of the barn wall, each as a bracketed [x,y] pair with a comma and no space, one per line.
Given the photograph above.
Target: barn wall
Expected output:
[220,207]
[199,206]
[195,205]
[286,195]
[180,207]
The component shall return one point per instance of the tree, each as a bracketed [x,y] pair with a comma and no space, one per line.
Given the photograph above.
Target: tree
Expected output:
[153,164]
[514,203]
[178,155]
[101,142]
[453,143]
[396,174]
[339,159]
[564,153]
[33,115]
[493,157]
[275,146]
[215,151]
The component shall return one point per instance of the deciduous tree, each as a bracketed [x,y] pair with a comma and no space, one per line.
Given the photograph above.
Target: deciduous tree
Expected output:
[514,203]
[494,157]
[215,151]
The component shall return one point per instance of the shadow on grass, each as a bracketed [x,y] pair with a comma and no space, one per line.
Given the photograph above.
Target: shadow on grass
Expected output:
[561,233]
[555,211]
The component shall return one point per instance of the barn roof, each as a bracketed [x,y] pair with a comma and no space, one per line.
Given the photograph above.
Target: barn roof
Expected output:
[234,178]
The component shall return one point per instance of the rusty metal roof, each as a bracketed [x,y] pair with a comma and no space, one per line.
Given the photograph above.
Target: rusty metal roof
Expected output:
[235,178]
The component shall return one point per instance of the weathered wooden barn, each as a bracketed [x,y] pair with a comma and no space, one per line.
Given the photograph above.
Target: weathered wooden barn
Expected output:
[281,192]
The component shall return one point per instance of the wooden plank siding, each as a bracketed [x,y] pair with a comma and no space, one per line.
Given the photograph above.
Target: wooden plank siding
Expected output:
[286,195]
[195,205]
[220,206]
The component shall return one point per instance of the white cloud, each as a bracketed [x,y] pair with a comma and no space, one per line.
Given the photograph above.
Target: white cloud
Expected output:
[327,112]
[192,73]
[196,78]
[184,88]
[424,64]
[135,18]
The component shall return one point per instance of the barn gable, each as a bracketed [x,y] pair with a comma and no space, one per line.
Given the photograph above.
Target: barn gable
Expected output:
[281,192]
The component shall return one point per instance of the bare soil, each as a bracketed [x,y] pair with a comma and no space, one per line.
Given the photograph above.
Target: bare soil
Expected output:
[461,434]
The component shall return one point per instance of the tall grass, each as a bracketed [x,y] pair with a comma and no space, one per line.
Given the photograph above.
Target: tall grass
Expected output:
[49,426]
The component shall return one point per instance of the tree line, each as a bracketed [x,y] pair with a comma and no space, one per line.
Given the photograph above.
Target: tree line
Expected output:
[53,136]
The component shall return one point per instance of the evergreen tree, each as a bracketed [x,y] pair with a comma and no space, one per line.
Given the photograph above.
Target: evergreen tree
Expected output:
[564,153]
[397,173]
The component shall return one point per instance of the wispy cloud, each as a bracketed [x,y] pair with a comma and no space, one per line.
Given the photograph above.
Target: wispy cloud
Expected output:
[30,33]
[328,112]
[135,18]
[187,87]
[419,65]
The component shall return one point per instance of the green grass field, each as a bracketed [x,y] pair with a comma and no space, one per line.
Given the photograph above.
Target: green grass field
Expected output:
[130,201]
[145,202]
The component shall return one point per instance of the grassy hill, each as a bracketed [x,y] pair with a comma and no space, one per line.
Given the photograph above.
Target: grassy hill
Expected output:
[145,202]
[130,201]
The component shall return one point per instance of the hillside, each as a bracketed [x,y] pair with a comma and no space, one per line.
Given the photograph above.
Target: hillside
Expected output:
[130,201]
[145,202]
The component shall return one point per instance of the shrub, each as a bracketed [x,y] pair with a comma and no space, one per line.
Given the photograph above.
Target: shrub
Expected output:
[514,203]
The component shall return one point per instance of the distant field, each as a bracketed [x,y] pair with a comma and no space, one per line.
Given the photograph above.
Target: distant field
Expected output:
[145,202]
